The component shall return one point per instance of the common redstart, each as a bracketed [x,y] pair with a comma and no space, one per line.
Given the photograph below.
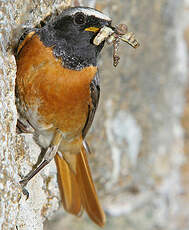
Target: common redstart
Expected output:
[57,89]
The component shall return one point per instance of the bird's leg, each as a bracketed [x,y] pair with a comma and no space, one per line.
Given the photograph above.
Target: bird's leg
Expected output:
[49,155]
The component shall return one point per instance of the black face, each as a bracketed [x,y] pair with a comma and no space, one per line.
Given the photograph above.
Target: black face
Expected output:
[70,39]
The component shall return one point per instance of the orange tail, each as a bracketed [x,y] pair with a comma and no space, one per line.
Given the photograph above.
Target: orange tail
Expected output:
[77,187]
[68,187]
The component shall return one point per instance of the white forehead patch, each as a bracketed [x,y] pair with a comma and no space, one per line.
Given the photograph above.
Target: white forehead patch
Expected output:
[87,11]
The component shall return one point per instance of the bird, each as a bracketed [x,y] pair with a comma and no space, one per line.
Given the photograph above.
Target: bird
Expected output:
[57,94]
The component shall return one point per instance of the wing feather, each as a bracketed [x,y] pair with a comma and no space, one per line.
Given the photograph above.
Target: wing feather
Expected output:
[95,94]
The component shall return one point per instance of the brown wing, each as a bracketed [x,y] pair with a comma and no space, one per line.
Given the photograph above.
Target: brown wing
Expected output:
[95,94]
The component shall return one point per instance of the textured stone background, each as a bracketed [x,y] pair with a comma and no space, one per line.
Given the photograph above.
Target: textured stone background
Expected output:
[140,134]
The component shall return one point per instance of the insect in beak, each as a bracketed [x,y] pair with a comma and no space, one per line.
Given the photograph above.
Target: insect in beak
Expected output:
[113,36]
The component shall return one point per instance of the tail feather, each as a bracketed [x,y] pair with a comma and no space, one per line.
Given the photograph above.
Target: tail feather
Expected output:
[89,196]
[76,186]
[68,186]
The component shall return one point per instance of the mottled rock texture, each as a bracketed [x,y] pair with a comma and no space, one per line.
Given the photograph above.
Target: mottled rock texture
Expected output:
[140,161]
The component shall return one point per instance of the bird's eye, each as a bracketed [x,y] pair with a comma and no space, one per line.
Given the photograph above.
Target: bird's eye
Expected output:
[79,18]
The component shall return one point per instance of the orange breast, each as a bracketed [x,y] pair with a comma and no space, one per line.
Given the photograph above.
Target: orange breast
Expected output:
[59,95]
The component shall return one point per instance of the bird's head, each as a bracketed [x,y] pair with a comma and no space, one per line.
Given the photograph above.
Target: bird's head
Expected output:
[71,35]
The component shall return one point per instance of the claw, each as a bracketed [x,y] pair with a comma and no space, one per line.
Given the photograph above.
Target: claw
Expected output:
[25,192]
[23,183]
